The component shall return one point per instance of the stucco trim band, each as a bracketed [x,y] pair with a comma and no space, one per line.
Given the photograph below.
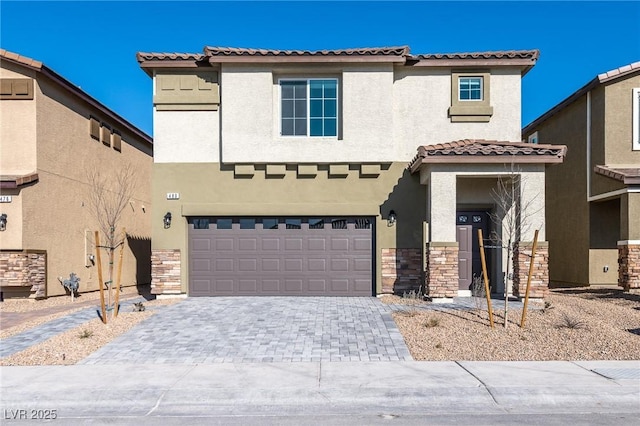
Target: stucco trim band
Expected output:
[11,181]
[278,209]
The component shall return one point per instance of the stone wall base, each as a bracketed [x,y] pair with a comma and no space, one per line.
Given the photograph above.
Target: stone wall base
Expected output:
[165,272]
[539,288]
[442,270]
[629,266]
[23,273]
[401,270]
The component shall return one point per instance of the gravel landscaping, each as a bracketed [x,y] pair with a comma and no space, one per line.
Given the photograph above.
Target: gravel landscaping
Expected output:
[576,324]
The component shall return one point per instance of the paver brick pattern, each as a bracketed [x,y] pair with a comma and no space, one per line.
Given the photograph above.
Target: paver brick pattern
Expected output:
[261,329]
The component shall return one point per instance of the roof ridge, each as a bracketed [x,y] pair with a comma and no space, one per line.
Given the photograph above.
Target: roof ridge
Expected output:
[532,54]
[363,51]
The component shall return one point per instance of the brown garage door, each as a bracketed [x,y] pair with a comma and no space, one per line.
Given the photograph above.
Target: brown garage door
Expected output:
[290,256]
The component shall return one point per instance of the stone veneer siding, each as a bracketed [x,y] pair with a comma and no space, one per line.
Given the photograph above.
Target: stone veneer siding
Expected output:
[540,275]
[401,270]
[629,266]
[26,269]
[442,270]
[165,272]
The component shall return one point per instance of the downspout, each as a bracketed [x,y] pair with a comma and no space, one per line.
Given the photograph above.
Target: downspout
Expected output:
[589,146]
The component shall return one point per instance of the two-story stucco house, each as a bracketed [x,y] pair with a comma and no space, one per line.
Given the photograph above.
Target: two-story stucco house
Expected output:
[339,172]
[593,199]
[52,134]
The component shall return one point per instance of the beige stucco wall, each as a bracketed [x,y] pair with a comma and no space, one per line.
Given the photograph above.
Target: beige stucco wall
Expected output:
[55,210]
[629,214]
[618,113]
[212,189]
[186,136]
[567,209]
[603,266]
[251,116]
[17,128]
[11,237]
[421,100]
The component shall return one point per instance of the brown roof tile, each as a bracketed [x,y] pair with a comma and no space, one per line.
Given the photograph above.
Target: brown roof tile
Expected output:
[487,151]
[626,175]
[14,181]
[369,51]
[154,56]
[5,54]
[499,54]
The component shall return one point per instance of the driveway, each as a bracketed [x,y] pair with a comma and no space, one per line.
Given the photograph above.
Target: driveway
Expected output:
[261,329]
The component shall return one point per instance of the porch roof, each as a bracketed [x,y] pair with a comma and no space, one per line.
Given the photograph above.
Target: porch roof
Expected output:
[487,151]
[626,175]
[14,181]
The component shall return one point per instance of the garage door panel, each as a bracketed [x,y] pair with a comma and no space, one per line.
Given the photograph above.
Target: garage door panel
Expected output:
[296,257]
[201,244]
[271,244]
[224,244]
[247,265]
[316,265]
[201,265]
[293,265]
[224,265]
[293,244]
[247,244]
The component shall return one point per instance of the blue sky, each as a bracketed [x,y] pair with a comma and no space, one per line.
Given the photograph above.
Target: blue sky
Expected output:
[93,44]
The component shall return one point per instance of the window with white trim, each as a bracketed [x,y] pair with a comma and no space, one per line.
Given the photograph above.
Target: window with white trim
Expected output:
[470,88]
[636,119]
[533,138]
[309,107]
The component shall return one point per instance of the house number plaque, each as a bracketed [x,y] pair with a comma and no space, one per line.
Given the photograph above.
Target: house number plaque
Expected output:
[173,195]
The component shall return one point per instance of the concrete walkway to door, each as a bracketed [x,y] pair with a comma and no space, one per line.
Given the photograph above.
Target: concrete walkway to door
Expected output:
[261,329]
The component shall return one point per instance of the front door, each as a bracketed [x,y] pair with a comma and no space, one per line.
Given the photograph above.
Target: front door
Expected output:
[469,262]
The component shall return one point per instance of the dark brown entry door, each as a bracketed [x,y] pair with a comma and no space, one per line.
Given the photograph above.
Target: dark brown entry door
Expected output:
[469,262]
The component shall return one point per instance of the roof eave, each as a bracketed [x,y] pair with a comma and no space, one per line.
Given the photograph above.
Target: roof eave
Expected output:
[305,59]
[484,159]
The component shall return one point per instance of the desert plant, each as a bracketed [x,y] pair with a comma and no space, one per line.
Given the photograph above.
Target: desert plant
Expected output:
[85,334]
[412,312]
[432,322]
[571,322]
[138,307]
[478,293]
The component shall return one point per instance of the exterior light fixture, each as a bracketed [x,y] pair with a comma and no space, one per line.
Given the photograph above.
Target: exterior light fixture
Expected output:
[3,221]
[392,218]
[167,220]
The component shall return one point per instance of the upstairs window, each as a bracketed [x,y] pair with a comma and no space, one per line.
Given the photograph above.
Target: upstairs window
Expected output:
[470,88]
[309,107]
[636,119]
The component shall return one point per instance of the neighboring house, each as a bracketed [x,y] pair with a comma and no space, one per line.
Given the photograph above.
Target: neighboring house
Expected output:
[593,199]
[296,173]
[51,135]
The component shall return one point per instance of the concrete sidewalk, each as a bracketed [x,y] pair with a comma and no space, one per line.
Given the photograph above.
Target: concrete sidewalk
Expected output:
[327,392]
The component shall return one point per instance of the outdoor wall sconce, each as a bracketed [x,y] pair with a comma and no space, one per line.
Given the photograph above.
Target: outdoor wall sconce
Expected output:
[167,220]
[392,218]
[3,221]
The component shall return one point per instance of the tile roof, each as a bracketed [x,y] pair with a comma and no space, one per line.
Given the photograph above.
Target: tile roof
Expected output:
[619,72]
[626,175]
[41,68]
[373,51]
[500,54]
[154,56]
[32,63]
[14,181]
[487,151]
[606,77]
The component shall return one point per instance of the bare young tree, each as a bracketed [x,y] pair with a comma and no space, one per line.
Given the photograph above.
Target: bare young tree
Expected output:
[513,218]
[109,194]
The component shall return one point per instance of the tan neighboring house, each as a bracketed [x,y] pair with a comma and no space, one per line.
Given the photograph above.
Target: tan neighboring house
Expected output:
[335,172]
[51,134]
[593,199]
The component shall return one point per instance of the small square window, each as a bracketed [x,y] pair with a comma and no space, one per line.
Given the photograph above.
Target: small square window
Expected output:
[470,89]
[268,223]
[247,223]
[224,224]
[292,223]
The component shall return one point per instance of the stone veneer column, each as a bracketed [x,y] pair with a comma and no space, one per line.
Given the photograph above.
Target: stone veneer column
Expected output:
[165,272]
[401,270]
[629,265]
[539,288]
[442,270]
[24,271]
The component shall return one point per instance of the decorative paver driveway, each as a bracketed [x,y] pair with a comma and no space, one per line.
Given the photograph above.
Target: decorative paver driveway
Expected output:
[261,329]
